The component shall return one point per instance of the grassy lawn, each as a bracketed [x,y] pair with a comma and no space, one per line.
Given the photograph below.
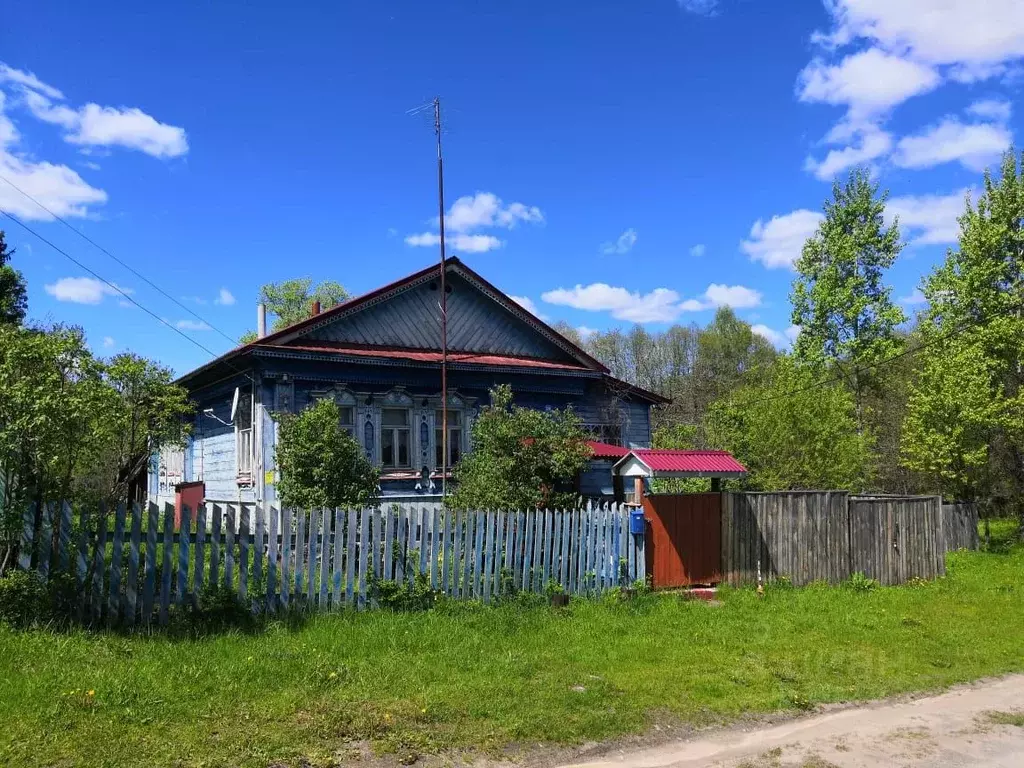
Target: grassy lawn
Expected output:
[469,677]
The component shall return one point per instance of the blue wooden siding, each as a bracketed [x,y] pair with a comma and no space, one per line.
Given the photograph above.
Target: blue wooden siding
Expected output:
[476,323]
[596,480]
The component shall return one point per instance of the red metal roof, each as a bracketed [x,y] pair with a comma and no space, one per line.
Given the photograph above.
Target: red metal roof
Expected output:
[606,450]
[664,460]
[423,355]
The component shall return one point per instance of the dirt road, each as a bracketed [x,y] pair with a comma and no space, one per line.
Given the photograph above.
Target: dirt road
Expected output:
[976,725]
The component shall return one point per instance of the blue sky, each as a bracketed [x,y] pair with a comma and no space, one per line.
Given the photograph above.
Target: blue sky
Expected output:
[607,162]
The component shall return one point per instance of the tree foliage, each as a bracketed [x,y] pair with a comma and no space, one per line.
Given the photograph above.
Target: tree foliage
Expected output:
[321,464]
[965,425]
[521,459]
[290,301]
[790,432]
[76,427]
[841,304]
[13,294]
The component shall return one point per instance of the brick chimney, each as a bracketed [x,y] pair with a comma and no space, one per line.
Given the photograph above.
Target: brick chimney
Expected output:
[316,309]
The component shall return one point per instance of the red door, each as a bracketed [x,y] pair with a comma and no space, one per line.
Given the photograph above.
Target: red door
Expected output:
[685,544]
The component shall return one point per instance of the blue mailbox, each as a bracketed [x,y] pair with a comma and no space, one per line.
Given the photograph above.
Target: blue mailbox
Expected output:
[637,524]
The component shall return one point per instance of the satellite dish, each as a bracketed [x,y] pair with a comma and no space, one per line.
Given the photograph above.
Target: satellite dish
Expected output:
[234,404]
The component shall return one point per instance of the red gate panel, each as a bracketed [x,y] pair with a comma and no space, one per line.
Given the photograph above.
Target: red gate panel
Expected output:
[685,544]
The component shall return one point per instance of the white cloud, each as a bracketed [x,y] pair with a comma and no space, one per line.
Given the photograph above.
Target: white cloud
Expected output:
[779,241]
[874,143]
[662,305]
[192,325]
[915,298]
[469,213]
[792,332]
[972,145]
[868,83]
[623,244]
[658,306]
[82,290]
[698,250]
[95,126]
[485,210]
[528,304]
[586,332]
[27,80]
[932,219]
[775,337]
[700,7]
[108,342]
[225,298]
[976,38]
[991,109]
[460,242]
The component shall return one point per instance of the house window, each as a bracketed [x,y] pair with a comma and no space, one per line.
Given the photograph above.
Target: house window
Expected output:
[454,438]
[244,436]
[348,419]
[605,433]
[394,437]
[171,468]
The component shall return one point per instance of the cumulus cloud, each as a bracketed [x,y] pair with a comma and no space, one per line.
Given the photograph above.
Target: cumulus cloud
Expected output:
[192,325]
[915,298]
[698,250]
[780,339]
[778,242]
[529,305]
[998,110]
[872,144]
[623,244]
[58,187]
[82,290]
[973,145]
[662,305]
[928,219]
[108,342]
[225,298]
[586,332]
[470,213]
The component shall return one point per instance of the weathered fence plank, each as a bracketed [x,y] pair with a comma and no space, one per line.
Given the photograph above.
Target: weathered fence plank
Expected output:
[230,533]
[183,555]
[272,555]
[45,540]
[131,592]
[312,542]
[99,565]
[350,558]
[325,557]
[259,544]
[199,563]
[297,554]
[117,552]
[364,545]
[286,555]
[167,565]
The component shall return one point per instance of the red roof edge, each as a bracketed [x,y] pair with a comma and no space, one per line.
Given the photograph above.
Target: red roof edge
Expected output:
[606,450]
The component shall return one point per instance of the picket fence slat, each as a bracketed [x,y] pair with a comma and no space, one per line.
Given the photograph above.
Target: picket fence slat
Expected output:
[149,583]
[117,551]
[389,545]
[45,540]
[286,555]
[446,551]
[297,554]
[350,558]
[401,544]
[183,550]
[244,534]
[230,534]
[99,566]
[311,558]
[64,537]
[28,529]
[364,545]
[131,591]
[259,544]
[272,554]
[166,565]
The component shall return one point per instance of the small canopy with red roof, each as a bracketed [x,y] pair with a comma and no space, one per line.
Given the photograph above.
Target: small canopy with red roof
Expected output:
[652,462]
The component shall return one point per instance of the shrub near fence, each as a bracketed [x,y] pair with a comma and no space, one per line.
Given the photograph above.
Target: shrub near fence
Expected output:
[127,568]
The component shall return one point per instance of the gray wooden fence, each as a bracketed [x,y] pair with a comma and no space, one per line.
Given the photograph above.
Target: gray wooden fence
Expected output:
[828,536]
[960,524]
[135,566]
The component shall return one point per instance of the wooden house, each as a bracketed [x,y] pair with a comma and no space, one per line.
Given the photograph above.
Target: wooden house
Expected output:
[378,356]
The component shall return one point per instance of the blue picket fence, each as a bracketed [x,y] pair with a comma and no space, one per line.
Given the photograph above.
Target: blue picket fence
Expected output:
[135,565]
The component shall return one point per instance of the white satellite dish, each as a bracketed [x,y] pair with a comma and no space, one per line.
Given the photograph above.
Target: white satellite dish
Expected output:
[234,404]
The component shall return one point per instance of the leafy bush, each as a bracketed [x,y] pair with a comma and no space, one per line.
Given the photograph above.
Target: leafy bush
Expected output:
[23,599]
[217,609]
[861,583]
[415,595]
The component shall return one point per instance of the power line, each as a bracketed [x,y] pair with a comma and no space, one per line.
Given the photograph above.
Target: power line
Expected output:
[131,269]
[114,286]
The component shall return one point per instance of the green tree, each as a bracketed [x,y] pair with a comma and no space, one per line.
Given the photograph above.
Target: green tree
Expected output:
[321,464]
[844,310]
[521,459]
[728,353]
[790,432]
[965,425]
[290,301]
[13,294]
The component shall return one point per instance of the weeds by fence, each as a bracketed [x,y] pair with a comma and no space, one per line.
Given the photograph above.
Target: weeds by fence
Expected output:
[134,566]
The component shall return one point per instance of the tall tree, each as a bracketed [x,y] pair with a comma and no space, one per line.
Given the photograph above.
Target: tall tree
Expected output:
[965,424]
[728,352]
[290,301]
[841,303]
[791,432]
[13,294]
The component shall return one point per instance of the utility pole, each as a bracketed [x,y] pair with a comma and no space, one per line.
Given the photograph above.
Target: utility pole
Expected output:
[444,306]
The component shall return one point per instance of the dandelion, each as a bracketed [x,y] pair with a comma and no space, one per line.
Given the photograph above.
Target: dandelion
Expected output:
[333,675]
[90,694]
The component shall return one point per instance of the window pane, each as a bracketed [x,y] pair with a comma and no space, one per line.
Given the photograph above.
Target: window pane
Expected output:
[454,418]
[437,447]
[387,448]
[394,417]
[403,447]
[454,445]
[347,416]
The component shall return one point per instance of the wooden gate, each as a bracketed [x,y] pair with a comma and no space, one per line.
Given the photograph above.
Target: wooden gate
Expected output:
[685,546]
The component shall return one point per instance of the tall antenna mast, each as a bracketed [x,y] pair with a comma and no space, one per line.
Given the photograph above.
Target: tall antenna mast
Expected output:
[444,306]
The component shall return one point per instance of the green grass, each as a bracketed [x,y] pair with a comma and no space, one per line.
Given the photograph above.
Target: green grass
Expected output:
[470,677]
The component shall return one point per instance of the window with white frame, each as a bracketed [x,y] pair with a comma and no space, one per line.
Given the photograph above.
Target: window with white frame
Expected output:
[454,438]
[605,433]
[244,444]
[171,468]
[395,434]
